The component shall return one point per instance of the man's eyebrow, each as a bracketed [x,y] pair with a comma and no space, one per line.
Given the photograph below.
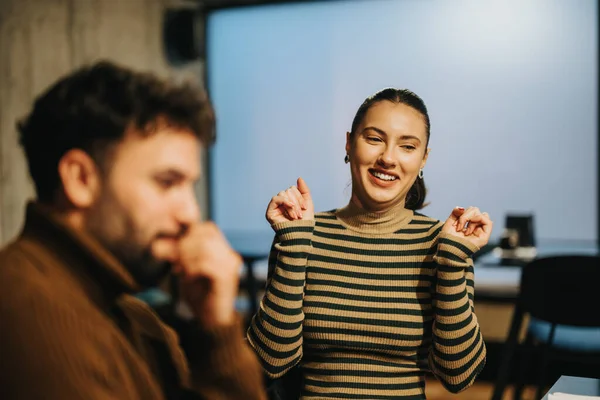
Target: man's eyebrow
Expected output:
[176,175]
[170,172]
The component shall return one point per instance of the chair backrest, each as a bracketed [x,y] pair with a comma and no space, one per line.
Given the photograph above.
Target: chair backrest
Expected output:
[563,290]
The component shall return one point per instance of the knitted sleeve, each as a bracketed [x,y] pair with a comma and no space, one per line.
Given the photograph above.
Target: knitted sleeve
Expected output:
[225,367]
[275,332]
[458,351]
[222,365]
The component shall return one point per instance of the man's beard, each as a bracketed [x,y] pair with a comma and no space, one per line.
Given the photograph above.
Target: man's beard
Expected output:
[145,269]
[113,227]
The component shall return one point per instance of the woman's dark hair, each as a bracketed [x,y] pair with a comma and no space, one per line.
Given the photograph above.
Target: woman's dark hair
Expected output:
[415,198]
[91,109]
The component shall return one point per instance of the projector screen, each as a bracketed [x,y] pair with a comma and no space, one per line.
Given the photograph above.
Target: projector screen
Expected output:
[511,88]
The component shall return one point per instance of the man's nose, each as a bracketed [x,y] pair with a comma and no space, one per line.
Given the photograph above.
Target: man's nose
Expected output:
[188,210]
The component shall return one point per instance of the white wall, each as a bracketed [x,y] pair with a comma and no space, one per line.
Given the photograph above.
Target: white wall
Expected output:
[511,87]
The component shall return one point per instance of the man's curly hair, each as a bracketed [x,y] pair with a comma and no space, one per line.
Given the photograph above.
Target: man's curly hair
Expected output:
[92,108]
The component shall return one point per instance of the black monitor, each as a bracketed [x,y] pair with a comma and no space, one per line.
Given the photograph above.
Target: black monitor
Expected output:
[523,225]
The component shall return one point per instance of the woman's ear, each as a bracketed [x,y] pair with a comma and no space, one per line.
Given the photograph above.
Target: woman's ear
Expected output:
[80,178]
[425,157]
[348,139]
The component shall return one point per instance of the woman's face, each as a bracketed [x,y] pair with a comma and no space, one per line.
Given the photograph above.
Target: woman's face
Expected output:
[386,153]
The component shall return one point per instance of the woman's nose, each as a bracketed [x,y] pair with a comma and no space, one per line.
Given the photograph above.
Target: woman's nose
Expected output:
[387,158]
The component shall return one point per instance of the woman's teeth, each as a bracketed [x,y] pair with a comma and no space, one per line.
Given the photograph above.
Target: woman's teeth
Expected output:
[383,176]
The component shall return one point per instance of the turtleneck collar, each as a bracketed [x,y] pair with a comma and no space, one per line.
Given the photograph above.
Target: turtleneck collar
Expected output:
[371,222]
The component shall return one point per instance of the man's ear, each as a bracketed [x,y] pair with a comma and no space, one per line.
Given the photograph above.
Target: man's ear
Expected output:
[80,178]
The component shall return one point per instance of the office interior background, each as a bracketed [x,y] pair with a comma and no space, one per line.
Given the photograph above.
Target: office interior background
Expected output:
[511,87]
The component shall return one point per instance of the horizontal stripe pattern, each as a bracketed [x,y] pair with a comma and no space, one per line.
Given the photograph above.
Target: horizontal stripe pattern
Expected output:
[366,315]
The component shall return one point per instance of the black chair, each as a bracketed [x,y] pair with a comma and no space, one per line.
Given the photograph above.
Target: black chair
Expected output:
[561,290]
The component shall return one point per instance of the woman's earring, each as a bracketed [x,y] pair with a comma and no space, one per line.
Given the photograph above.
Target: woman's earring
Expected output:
[420,173]
[347,159]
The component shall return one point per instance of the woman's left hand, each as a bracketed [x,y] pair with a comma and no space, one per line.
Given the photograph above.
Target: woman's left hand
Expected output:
[469,224]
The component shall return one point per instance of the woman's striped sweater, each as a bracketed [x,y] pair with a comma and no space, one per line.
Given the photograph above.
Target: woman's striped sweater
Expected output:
[366,303]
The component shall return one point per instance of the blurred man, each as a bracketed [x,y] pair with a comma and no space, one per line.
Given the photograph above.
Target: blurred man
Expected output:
[114,155]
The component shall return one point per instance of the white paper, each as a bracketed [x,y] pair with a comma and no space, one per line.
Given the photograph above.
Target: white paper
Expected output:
[567,396]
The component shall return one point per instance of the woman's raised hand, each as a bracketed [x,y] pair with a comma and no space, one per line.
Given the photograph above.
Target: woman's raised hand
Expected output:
[291,204]
[470,224]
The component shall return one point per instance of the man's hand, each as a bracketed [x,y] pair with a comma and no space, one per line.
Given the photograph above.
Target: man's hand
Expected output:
[208,270]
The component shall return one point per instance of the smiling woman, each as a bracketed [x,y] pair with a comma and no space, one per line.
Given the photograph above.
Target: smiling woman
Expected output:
[363,300]
[388,146]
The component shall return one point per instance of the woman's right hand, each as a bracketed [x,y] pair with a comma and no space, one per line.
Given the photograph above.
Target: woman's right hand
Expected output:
[291,204]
